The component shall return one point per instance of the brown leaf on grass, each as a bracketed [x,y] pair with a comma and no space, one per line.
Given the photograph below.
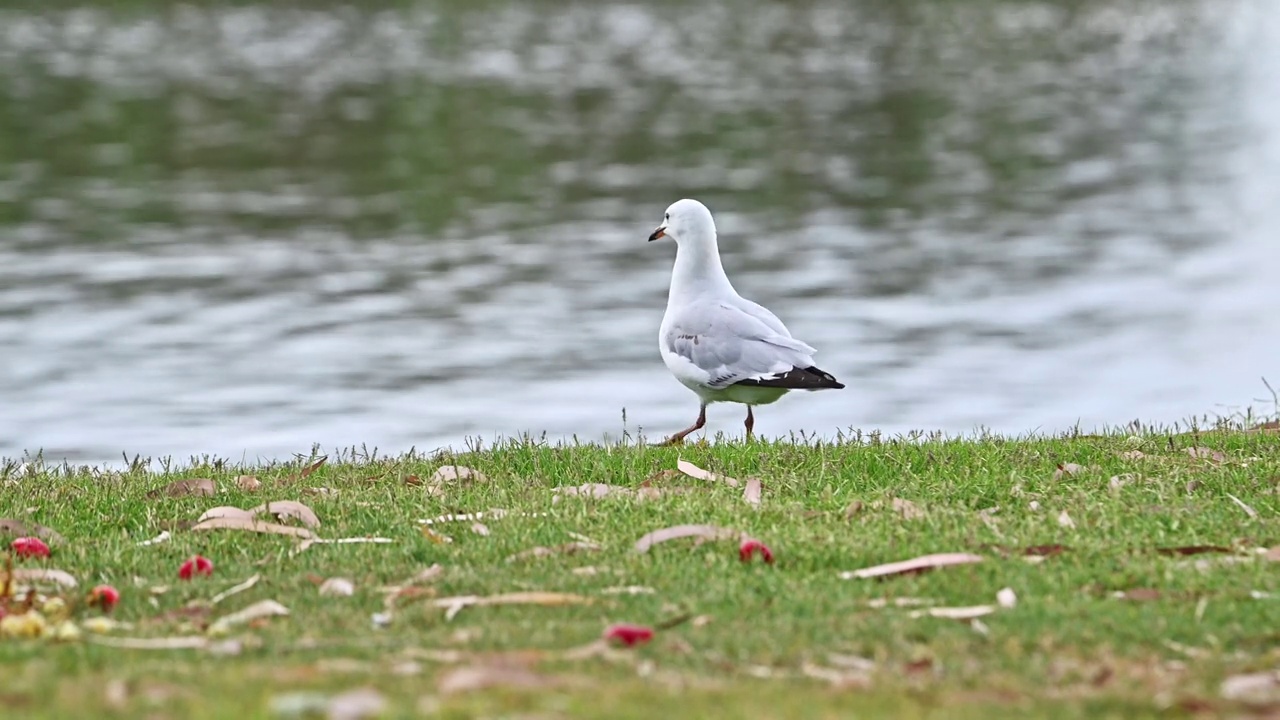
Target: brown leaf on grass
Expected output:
[289,509]
[251,525]
[235,589]
[1133,455]
[181,642]
[853,508]
[1192,550]
[702,532]
[257,611]
[455,604]
[698,473]
[36,576]
[17,528]
[447,475]
[566,549]
[248,483]
[955,613]
[1204,453]
[1065,520]
[1044,550]
[838,678]
[1068,469]
[1253,514]
[907,509]
[751,492]
[201,487]
[306,471]
[915,565]
[337,587]
[225,511]
[356,705]
[490,677]
[1258,688]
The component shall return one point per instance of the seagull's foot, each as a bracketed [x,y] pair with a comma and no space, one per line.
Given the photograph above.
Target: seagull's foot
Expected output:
[673,441]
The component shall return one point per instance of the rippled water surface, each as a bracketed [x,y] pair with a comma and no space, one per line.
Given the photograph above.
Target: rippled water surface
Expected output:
[245,230]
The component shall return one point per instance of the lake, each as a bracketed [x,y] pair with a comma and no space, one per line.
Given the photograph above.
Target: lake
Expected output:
[247,229]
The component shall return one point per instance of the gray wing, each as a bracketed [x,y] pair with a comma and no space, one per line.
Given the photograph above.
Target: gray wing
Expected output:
[730,345]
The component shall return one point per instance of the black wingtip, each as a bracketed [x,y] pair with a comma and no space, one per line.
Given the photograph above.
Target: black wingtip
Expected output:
[810,378]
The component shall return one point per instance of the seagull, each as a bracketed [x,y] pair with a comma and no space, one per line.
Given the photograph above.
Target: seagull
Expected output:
[717,343]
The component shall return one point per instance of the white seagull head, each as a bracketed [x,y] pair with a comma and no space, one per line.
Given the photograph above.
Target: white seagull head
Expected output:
[686,221]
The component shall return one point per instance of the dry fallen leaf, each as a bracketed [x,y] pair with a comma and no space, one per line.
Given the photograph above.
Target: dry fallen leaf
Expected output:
[1258,688]
[225,511]
[751,492]
[1192,550]
[1133,455]
[203,487]
[1067,469]
[182,642]
[919,564]
[704,532]
[286,509]
[853,508]
[17,528]
[35,576]
[248,483]
[907,509]
[306,471]
[536,597]
[234,589]
[451,474]
[1253,514]
[1204,453]
[487,677]
[856,678]
[235,523]
[696,472]
[1065,520]
[257,611]
[337,587]
[356,705]
[480,529]
[955,613]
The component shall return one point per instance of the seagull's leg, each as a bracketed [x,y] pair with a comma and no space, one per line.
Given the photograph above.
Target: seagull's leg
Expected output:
[678,438]
[750,423]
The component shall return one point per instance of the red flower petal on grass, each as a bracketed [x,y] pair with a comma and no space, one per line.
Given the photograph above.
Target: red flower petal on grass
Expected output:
[105,597]
[29,547]
[750,547]
[629,635]
[196,565]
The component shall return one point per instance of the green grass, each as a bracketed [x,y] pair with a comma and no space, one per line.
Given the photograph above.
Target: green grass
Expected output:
[1069,648]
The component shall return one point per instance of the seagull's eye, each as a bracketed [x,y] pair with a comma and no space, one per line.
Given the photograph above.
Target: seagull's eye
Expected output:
[667,217]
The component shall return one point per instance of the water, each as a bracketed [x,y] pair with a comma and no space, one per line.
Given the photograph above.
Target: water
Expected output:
[244,230]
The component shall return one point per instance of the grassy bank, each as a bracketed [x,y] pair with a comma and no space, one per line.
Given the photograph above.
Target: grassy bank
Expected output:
[1114,616]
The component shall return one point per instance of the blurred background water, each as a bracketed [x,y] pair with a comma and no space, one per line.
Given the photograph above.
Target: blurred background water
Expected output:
[246,228]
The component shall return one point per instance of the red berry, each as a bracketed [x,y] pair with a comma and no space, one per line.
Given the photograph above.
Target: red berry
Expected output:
[29,547]
[750,547]
[629,635]
[196,565]
[105,597]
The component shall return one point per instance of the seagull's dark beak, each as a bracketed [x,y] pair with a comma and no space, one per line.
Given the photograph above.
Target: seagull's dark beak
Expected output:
[659,233]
